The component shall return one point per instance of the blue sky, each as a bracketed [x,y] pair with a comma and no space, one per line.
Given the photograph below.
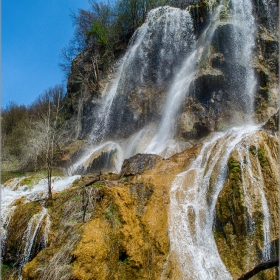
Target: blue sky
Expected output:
[33,34]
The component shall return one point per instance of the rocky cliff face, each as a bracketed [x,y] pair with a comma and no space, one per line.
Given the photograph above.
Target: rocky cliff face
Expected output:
[213,100]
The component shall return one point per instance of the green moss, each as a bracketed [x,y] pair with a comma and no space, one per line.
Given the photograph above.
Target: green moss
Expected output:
[253,150]
[112,214]
[224,14]
[96,185]
[234,170]
[7,175]
[76,182]
[233,166]
[262,158]
[29,181]
[5,268]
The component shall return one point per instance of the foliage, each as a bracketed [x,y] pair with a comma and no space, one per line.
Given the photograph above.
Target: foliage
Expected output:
[260,153]
[253,150]
[99,32]
[32,135]
[4,269]
[106,26]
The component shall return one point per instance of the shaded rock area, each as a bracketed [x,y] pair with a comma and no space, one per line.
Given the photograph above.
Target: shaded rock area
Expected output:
[139,163]
[272,123]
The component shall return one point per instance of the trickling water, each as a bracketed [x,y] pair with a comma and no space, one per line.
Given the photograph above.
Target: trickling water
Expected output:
[102,114]
[29,236]
[47,229]
[193,198]
[245,163]
[265,210]
[255,182]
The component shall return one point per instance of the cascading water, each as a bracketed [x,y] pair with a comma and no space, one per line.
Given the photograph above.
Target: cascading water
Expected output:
[194,193]
[251,181]
[163,41]
[179,90]
[139,112]
[177,61]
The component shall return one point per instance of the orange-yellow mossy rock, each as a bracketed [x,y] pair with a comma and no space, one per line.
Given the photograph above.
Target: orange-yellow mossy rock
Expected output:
[129,238]
[171,269]
[93,251]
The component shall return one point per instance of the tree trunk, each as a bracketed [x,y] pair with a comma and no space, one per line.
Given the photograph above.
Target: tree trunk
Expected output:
[260,267]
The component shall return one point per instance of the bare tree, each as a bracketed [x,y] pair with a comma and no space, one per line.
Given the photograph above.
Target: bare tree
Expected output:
[47,132]
[258,268]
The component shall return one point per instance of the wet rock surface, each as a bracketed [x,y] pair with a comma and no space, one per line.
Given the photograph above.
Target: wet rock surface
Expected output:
[139,163]
[239,214]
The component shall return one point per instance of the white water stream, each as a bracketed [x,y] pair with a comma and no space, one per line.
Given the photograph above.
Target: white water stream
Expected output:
[243,42]
[179,90]
[30,234]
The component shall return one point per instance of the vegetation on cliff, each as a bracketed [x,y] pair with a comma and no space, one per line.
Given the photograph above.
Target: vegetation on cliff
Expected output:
[106,27]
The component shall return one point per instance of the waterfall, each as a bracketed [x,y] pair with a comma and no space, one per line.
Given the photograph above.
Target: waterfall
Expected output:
[175,64]
[169,30]
[160,44]
[243,40]
[179,90]
[193,198]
